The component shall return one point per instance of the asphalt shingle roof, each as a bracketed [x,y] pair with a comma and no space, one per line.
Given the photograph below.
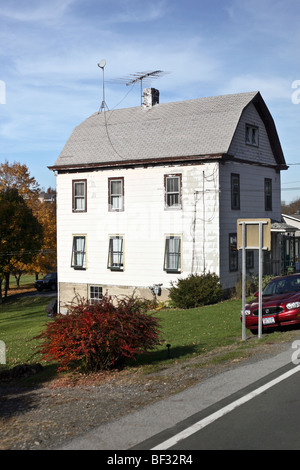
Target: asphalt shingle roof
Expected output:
[198,127]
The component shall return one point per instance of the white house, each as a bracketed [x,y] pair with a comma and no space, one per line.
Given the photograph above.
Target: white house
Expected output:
[148,194]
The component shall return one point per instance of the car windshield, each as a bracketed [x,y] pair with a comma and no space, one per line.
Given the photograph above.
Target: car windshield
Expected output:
[49,276]
[283,285]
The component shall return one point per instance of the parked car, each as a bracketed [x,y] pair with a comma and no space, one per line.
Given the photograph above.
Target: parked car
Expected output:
[280,304]
[48,282]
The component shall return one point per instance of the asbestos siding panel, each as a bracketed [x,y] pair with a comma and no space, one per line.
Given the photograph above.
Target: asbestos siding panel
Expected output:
[144,224]
[252,205]
[263,153]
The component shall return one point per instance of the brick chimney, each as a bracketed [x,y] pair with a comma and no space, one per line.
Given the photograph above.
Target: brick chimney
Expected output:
[150,97]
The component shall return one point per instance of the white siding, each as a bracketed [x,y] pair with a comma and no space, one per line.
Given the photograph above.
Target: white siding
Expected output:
[144,223]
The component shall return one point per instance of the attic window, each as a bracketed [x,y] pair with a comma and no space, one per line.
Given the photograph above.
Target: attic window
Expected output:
[251,135]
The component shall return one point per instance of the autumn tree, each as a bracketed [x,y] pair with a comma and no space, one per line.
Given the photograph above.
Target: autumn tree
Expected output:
[17,176]
[45,260]
[20,232]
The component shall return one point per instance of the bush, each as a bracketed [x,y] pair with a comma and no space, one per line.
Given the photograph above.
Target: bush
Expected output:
[99,336]
[196,290]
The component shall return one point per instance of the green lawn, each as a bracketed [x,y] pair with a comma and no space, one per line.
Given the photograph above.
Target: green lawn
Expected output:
[190,333]
[20,321]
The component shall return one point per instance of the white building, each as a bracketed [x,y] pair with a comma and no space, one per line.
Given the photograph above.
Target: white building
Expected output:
[148,194]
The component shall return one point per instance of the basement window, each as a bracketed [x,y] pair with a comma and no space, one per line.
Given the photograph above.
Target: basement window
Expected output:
[95,294]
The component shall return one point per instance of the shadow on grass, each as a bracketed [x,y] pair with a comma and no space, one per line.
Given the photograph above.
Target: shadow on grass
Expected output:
[161,355]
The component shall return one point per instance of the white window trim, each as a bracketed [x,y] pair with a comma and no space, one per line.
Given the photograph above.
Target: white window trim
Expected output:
[94,300]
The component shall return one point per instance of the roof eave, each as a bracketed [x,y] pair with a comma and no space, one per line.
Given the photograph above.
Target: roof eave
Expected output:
[142,162]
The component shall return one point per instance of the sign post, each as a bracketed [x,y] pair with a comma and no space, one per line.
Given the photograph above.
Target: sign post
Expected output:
[253,234]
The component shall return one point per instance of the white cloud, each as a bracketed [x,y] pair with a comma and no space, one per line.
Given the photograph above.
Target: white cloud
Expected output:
[34,10]
[272,88]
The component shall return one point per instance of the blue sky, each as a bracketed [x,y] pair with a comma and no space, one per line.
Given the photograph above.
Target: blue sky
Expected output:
[50,81]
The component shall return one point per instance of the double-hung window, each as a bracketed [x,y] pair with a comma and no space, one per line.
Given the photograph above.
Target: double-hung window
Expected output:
[233,252]
[79,252]
[116,253]
[235,191]
[252,135]
[268,194]
[172,185]
[172,262]
[116,194]
[79,196]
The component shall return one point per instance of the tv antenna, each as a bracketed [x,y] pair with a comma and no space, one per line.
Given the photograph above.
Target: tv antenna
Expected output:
[102,64]
[141,76]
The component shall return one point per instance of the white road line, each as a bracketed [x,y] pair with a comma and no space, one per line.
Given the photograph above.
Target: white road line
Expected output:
[223,411]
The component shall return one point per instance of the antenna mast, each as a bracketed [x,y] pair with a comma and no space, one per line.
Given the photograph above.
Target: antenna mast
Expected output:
[103,104]
[140,76]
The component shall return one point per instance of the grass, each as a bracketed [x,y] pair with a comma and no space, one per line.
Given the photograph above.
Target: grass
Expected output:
[20,321]
[191,333]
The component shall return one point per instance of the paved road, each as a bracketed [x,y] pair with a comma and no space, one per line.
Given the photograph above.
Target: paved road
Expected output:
[264,416]
[151,426]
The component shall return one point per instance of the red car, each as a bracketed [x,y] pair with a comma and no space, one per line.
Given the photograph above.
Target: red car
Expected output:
[280,304]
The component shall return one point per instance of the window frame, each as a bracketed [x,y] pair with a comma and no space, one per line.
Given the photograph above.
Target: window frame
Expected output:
[233,253]
[235,205]
[268,197]
[74,182]
[249,259]
[110,194]
[173,206]
[111,253]
[83,265]
[167,265]
[254,141]
[95,299]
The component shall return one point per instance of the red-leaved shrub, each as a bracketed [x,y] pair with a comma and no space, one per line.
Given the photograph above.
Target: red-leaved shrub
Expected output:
[99,336]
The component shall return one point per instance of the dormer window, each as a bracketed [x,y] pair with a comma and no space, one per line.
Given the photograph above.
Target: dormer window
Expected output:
[251,135]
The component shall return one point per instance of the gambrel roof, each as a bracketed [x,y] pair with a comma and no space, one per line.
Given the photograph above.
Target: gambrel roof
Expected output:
[185,130]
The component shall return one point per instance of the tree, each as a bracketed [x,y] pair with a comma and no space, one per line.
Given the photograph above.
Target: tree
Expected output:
[45,260]
[17,176]
[291,208]
[20,232]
